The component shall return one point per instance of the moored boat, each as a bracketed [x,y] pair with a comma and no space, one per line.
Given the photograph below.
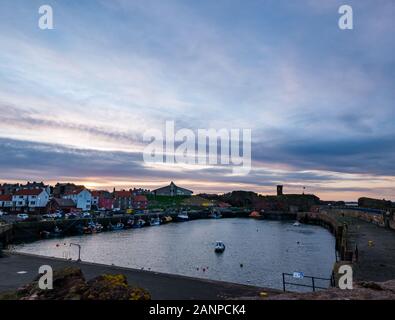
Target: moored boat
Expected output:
[118,226]
[93,227]
[215,214]
[139,223]
[255,215]
[219,247]
[183,216]
[155,221]
[129,224]
[57,232]
[167,219]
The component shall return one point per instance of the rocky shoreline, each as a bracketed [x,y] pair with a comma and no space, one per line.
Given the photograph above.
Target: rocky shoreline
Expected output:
[70,284]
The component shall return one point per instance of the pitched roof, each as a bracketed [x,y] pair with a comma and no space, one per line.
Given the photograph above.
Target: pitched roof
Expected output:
[64,202]
[122,194]
[140,198]
[6,197]
[173,186]
[75,191]
[26,192]
[96,193]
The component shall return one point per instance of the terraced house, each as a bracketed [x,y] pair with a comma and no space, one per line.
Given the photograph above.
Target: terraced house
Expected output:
[123,200]
[81,197]
[5,202]
[34,200]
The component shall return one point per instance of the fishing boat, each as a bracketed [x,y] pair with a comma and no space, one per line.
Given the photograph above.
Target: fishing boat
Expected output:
[255,215]
[57,232]
[167,219]
[129,224]
[87,230]
[98,227]
[93,227]
[296,224]
[215,214]
[219,247]
[118,226]
[155,221]
[183,216]
[139,224]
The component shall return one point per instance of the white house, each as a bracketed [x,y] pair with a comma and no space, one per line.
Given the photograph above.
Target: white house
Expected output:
[31,199]
[81,197]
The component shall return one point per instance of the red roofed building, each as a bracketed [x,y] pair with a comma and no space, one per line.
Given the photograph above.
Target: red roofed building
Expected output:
[123,200]
[140,202]
[102,199]
[30,200]
[6,201]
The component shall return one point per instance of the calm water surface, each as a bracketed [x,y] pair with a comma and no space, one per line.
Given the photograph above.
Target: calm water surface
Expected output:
[265,248]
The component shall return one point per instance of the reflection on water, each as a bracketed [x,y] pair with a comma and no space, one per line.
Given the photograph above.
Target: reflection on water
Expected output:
[257,251]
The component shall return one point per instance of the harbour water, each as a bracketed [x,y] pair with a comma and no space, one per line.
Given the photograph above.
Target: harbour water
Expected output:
[257,251]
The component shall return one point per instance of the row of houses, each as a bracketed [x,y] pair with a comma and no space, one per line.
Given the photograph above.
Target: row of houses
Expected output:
[38,197]
[39,201]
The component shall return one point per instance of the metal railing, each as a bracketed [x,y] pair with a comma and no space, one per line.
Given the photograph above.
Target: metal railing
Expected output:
[313,284]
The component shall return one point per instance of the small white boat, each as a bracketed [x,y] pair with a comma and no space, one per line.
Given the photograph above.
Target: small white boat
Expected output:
[155,221]
[215,214]
[118,226]
[183,216]
[219,247]
[296,224]
[138,224]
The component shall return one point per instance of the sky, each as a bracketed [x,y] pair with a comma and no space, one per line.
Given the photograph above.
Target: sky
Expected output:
[75,101]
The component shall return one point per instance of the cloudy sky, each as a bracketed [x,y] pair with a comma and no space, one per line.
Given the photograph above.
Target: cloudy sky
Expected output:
[75,101]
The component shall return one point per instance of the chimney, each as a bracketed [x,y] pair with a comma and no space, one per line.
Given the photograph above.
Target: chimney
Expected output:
[279,190]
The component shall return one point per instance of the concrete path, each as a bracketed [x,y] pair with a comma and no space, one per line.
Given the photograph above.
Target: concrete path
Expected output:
[161,286]
[376,262]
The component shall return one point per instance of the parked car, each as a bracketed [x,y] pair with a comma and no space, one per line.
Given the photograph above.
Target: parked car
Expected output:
[2,213]
[22,216]
[86,215]
[58,215]
[71,216]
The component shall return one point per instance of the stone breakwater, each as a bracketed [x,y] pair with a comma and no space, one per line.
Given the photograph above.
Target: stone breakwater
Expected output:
[361,291]
[366,242]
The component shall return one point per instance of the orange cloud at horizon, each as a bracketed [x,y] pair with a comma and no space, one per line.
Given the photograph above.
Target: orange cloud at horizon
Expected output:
[331,191]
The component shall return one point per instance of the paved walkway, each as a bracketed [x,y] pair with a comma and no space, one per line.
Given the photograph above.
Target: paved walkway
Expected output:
[376,262]
[161,286]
